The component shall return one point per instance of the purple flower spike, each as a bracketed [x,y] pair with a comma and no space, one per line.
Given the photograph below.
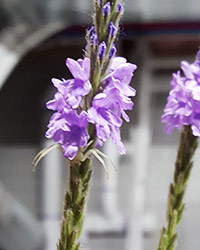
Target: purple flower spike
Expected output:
[183,103]
[69,129]
[102,50]
[111,30]
[106,9]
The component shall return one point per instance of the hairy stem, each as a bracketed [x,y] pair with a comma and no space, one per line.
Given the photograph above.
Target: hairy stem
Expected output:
[183,166]
[74,204]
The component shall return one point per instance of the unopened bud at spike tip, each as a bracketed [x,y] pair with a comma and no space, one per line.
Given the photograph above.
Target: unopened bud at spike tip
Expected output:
[106,9]
[119,8]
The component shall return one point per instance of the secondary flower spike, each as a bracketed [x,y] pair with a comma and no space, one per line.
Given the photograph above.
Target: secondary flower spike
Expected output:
[183,103]
[182,111]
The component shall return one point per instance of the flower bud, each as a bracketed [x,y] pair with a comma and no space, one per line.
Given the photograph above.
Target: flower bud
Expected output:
[111,30]
[112,52]
[91,31]
[118,13]
[94,40]
[106,9]
[102,51]
[119,8]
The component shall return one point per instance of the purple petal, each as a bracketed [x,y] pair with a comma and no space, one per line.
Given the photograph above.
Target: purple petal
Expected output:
[116,138]
[124,72]
[70,151]
[117,61]
[125,116]
[86,67]
[75,68]
[74,101]
[110,117]
[186,69]
[103,132]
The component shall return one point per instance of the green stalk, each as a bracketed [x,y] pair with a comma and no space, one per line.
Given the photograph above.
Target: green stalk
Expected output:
[183,166]
[114,4]
[74,203]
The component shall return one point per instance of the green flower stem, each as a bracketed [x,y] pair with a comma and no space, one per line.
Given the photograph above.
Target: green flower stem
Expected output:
[97,12]
[96,79]
[74,203]
[183,166]
[115,2]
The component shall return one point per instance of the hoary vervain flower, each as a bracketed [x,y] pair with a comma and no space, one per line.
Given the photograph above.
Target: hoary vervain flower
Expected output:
[183,103]
[106,109]
[99,90]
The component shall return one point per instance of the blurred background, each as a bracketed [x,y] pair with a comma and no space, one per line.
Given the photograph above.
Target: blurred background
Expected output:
[126,211]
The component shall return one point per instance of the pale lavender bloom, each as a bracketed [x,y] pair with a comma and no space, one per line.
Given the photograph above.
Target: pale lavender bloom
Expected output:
[107,107]
[177,111]
[70,92]
[119,78]
[120,103]
[107,122]
[70,130]
[192,78]
[183,103]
